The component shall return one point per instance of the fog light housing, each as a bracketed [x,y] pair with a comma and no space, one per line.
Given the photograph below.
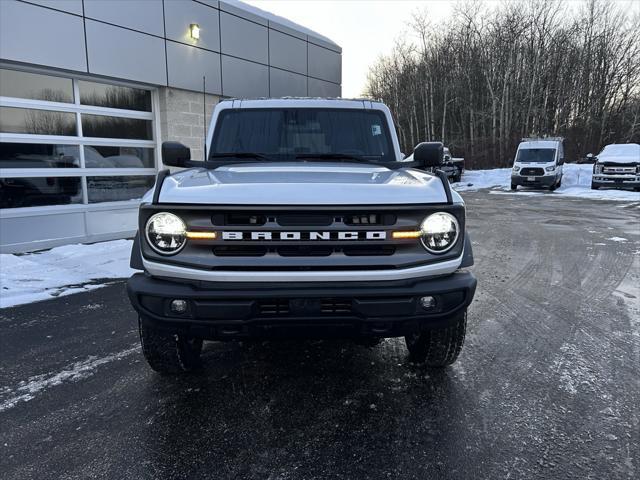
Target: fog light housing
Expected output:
[428,302]
[178,306]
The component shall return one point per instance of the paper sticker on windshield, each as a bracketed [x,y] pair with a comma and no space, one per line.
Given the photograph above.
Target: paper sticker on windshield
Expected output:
[376,130]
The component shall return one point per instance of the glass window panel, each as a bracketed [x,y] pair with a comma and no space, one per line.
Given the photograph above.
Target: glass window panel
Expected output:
[35,86]
[38,191]
[118,157]
[37,122]
[112,189]
[39,155]
[114,96]
[116,127]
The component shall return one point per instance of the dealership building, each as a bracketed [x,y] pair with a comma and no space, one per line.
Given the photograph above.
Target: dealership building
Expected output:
[89,89]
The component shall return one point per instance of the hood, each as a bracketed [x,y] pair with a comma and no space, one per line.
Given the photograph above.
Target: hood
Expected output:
[303,184]
[625,153]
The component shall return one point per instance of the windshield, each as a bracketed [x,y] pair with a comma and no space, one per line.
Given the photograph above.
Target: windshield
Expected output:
[284,133]
[536,155]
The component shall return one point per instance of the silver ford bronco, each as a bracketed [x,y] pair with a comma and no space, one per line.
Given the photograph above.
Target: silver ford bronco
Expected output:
[303,220]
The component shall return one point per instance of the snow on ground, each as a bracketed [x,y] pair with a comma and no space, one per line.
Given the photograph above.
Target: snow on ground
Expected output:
[576,182]
[60,271]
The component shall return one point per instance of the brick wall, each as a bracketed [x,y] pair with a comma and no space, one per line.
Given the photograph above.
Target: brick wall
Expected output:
[181,118]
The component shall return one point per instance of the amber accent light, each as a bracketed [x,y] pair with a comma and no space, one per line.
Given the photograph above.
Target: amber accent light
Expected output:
[202,235]
[407,234]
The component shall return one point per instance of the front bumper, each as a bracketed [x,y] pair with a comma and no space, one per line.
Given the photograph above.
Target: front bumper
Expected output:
[537,181]
[219,311]
[619,181]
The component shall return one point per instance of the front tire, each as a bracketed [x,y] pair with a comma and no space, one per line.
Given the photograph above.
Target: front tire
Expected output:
[168,353]
[438,347]
[594,187]
[514,187]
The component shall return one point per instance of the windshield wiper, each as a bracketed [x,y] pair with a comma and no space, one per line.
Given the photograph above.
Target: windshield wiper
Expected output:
[261,156]
[332,156]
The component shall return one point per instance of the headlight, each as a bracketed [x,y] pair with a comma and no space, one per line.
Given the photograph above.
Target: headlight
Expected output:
[166,233]
[439,232]
[597,168]
[550,169]
[516,169]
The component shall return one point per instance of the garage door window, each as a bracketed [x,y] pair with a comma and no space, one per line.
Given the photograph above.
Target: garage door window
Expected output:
[66,141]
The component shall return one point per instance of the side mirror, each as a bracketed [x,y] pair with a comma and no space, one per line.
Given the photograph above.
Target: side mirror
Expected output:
[561,161]
[428,154]
[175,154]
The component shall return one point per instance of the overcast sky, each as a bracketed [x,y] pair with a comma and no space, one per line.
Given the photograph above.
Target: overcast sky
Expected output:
[364,29]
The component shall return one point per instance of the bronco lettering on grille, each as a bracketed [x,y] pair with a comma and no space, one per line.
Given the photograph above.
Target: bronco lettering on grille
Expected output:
[313,236]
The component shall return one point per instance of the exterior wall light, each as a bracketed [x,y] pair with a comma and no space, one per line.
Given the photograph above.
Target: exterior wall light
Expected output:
[194,29]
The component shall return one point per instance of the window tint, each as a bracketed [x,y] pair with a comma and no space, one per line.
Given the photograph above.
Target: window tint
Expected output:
[39,191]
[40,122]
[39,155]
[111,189]
[116,127]
[114,96]
[293,131]
[35,86]
[118,157]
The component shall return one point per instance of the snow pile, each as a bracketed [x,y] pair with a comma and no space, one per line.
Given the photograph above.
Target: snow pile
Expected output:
[576,182]
[61,271]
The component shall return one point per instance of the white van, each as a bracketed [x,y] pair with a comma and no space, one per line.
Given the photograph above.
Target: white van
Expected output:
[538,163]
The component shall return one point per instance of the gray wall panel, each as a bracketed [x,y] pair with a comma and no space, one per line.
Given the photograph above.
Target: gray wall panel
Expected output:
[319,88]
[244,79]
[244,39]
[286,84]
[284,29]
[71,6]
[20,230]
[211,3]
[324,64]
[324,43]
[187,65]
[52,38]
[287,52]
[142,15]
[179,15]
[120,53]
[244,11]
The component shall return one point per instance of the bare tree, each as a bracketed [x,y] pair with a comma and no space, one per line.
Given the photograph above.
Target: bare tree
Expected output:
[489,77]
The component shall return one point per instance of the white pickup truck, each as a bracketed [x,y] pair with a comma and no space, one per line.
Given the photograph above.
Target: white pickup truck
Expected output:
[303,221]
[617,166]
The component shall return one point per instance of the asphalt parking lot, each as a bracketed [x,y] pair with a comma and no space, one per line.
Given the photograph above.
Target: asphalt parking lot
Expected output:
[547,386]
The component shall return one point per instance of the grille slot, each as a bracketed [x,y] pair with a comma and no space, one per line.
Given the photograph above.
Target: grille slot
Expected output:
[240,251]
[305,251]
[304,219]
[335,306]
[369,250]
[532,172]
[274,306]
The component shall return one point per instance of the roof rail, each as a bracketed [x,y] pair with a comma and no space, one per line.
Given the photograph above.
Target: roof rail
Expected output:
[543,139]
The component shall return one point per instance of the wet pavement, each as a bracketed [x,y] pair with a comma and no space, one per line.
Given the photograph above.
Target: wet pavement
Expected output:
[547,385]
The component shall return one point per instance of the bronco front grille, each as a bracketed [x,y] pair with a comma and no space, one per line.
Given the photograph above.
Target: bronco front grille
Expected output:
[532,172]
[278,238]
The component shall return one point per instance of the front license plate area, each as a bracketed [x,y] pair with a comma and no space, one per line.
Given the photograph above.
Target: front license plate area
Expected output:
[531,179]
